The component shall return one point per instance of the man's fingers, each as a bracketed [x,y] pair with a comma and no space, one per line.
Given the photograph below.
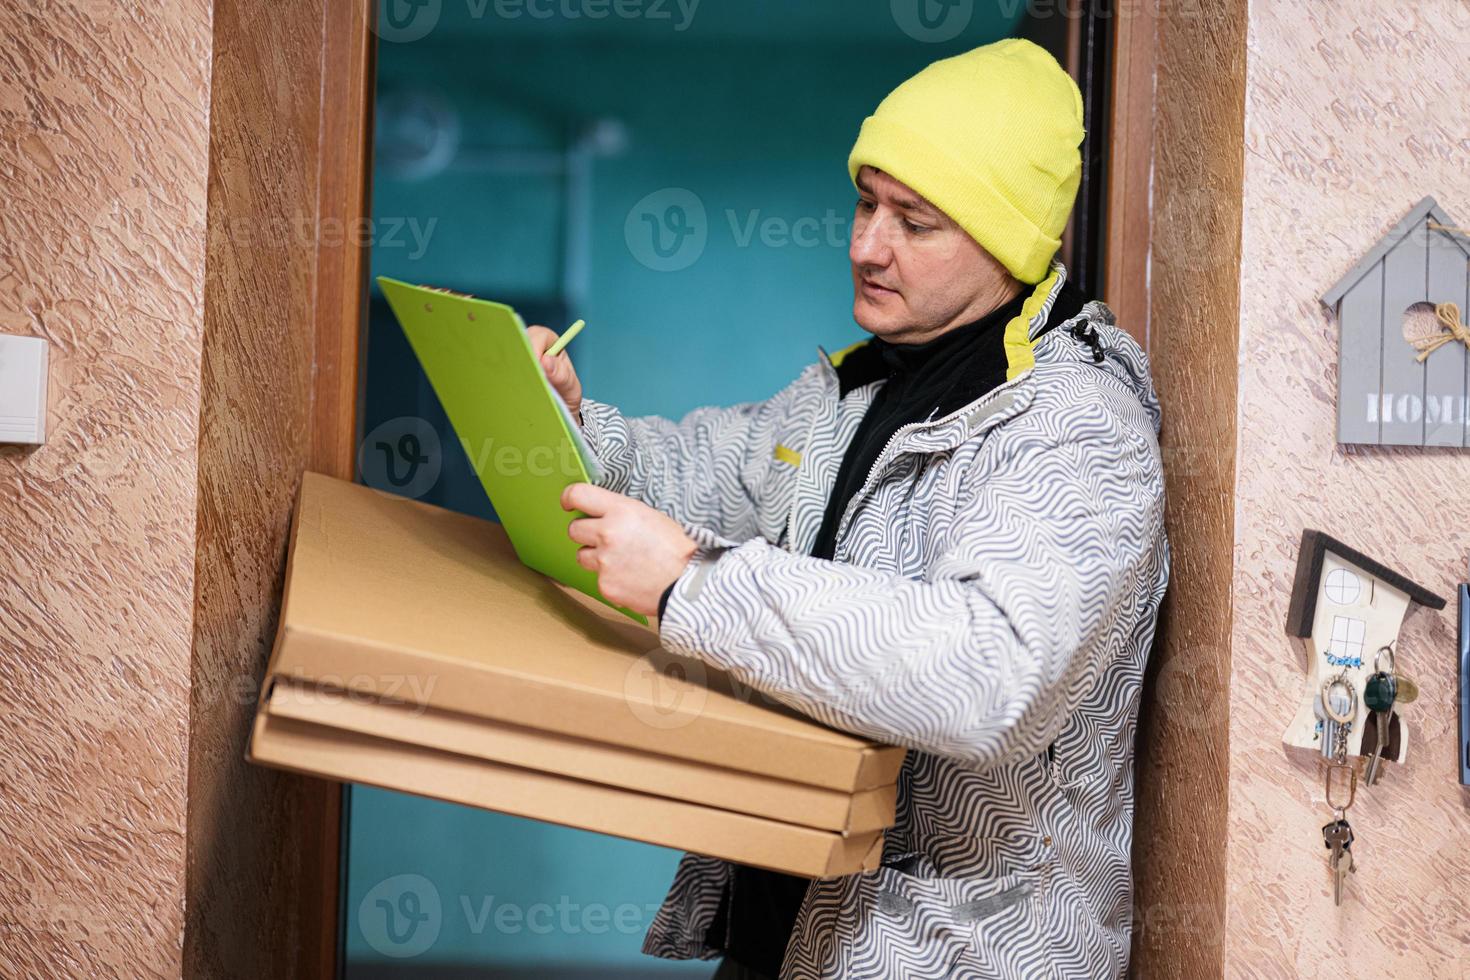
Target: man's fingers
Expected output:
[541,338]
[588,559]
[594,501]
[584,530]
[558,370]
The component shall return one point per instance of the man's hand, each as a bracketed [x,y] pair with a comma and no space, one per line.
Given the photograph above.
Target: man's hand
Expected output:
[635,550]
[559,370]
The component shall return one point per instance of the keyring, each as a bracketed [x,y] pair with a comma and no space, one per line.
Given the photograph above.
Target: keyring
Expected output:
[1352,711]
[1352,787]
[1388,649]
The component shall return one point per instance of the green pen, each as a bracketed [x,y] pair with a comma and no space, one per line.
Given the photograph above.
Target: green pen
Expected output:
[566,338]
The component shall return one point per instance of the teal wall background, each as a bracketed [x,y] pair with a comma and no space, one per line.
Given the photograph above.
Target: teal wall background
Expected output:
[708,255]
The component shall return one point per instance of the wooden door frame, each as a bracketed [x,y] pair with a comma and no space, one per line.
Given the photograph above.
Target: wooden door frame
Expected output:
[288,232]
[1130,171]
[1173,179]
[344,199]
[344,182]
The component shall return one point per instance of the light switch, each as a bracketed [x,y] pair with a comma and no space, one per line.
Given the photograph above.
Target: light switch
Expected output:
[23,389]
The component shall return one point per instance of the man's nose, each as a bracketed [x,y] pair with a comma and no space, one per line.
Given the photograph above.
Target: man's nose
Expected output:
[871,244]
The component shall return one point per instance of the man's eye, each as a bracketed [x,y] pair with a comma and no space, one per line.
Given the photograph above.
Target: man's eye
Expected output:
[865,205]
[915,229]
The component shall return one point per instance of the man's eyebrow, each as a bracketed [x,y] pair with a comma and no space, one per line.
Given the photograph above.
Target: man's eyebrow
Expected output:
[913,204]
[903,203]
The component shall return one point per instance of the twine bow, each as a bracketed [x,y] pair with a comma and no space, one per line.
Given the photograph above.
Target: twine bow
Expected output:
[1455,329]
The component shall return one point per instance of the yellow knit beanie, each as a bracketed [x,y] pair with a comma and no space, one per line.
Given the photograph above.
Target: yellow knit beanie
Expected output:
[990,137]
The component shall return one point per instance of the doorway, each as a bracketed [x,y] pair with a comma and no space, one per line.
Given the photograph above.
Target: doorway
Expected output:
[674,173]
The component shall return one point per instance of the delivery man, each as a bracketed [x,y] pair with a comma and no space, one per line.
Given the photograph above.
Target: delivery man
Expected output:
[949,536]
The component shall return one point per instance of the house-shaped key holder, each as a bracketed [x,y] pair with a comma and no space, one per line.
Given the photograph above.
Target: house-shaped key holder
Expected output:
[1347,607]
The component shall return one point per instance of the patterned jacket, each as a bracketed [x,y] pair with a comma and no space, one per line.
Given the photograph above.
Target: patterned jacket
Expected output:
[991,606]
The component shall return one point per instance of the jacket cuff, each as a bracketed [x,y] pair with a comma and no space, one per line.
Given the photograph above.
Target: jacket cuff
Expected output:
[709,546]
[595,416]
[606,434]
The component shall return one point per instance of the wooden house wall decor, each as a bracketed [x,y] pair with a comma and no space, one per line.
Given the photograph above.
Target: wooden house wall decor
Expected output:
[1347,606]
[1387,394]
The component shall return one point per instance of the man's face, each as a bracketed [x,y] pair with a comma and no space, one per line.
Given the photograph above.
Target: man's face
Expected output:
[915,273]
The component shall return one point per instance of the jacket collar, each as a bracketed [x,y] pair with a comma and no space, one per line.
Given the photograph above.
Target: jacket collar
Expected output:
[994,406]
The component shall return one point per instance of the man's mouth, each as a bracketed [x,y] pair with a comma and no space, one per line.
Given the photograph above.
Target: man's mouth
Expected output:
[876,291]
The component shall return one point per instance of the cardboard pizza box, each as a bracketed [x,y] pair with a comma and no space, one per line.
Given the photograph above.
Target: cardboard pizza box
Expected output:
[321,751]
[581,758]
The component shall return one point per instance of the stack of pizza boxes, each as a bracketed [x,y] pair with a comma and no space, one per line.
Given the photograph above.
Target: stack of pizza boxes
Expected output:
[416,653]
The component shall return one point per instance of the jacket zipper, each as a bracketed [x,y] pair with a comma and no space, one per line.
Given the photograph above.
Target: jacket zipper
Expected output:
[801,471]
[882,459]
[1086,332]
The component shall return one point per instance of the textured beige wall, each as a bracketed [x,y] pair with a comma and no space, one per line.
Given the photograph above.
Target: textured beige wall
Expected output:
[103,153]
[1354,111]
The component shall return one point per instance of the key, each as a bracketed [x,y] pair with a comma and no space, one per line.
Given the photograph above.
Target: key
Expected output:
[1340,704]
[1327,745]
[1338,837]
[1379,693]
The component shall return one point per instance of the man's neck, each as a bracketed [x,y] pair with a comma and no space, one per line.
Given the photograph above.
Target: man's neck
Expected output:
[982,306]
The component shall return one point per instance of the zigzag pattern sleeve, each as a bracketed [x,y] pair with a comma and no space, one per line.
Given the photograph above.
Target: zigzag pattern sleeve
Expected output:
[698,470]
[1036,586]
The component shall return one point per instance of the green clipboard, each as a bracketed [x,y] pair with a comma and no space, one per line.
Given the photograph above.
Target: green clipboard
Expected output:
[518,433]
